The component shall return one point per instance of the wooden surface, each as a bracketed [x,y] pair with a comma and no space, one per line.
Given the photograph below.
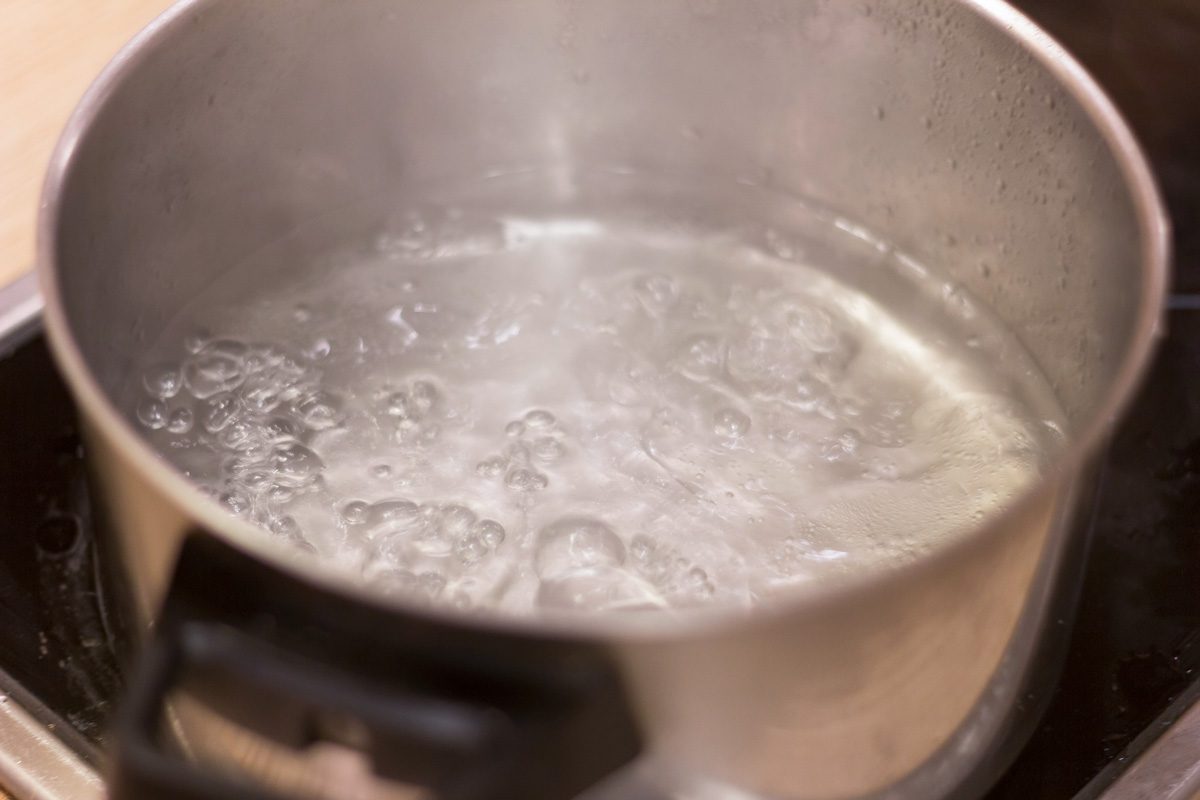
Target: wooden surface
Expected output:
[50,50]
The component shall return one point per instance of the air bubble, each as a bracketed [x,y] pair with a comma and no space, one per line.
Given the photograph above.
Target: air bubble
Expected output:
[492,467]
[730,423]
[700,584]
[456,519]
[471,549]
[641,548]
[700,358]
[699,393]
[162,381]
[236,503]
[424,397]
[525,480]
[539,419]
[180,421]
[280,494]
[842,447]
[152,414]
[400,406]
[319,411]
[490,531]
[220,411]
[547,450]
[658,294]
[196,342]
[295,463]
[354,512]
[210,373]
[573,543]
[319,350]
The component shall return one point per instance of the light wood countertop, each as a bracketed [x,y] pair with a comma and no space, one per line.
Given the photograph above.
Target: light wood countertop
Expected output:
[50,50]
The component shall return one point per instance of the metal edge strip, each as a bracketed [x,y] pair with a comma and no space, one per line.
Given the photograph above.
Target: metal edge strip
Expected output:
[1162,763]
[34,763]
[20,309]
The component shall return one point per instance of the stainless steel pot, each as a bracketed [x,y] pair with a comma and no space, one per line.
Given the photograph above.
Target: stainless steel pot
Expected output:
[955,130]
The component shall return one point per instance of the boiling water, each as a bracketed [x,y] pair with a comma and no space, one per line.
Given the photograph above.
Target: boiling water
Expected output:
[565,415]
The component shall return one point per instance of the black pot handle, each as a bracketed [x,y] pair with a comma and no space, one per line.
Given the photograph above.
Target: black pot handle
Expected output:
[466,713]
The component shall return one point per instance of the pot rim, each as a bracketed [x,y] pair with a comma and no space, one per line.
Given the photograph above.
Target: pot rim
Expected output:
[104,417]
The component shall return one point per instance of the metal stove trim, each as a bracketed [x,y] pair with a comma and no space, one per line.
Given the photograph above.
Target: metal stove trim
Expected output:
[1165,760]
[34,763]
[20,310]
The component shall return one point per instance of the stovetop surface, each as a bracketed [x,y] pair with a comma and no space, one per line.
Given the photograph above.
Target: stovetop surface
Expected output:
[1134,646]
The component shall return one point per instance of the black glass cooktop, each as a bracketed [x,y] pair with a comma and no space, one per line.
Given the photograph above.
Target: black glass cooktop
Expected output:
[1134,646]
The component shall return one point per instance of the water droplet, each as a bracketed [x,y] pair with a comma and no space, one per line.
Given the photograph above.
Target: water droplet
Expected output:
[381,471]
[515,428]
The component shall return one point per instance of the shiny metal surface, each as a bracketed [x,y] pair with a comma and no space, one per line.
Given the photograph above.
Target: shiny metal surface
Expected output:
[20,305]
[955,130]
[35,764]
[1170,768]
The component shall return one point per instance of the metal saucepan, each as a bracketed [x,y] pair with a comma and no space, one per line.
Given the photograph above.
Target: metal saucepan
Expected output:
[955,130]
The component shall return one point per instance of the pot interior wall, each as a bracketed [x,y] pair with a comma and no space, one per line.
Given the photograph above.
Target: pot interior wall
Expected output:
[925,124]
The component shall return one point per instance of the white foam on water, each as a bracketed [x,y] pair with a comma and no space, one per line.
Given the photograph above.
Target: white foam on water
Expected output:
[571,417]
